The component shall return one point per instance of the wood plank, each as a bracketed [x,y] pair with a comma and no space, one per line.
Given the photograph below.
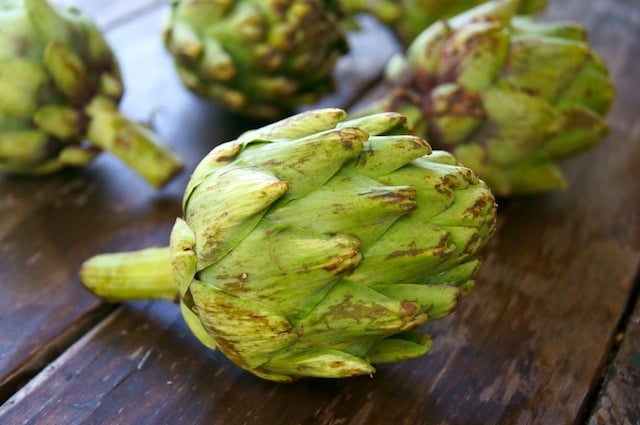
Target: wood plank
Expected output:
[619,402]
[527,346]
[48,226]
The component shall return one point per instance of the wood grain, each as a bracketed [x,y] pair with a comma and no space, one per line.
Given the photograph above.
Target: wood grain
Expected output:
[48,226]
[619,402]
[529,345]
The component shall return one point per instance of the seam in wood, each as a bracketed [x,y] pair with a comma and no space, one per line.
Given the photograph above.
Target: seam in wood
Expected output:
[590,404]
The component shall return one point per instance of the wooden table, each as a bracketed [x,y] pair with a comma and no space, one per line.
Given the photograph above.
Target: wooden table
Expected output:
[551,334]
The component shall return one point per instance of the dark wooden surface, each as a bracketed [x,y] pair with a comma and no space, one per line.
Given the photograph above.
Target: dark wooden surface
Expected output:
[550,335]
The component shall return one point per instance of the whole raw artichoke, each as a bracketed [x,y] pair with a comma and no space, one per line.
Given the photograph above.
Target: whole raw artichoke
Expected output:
[59,90]
[313,246]
[259,58]
[507,96]
[408,18]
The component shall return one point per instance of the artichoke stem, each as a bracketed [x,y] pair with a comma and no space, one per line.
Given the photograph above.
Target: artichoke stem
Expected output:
[133,143]
[137,275]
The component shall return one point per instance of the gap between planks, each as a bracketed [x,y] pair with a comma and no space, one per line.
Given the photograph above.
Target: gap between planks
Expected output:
[54,366]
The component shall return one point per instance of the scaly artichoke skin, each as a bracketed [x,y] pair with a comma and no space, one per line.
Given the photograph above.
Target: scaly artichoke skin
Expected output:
[61,85]
[408,18]
[508,96]
[261,59]
[314,246]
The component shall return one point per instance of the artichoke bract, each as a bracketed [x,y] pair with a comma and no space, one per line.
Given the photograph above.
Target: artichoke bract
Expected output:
[61,85]
[261,59]
[408,18]
[507,95]
[314,247]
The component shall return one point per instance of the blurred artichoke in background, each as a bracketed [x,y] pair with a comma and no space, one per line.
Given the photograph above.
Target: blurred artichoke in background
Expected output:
[508,96]
[259,58]
[408,18]
[59,90]
[314,246]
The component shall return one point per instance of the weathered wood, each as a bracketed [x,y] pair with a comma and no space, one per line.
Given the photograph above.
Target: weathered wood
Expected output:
[48,226]
[619,402]
[529,345]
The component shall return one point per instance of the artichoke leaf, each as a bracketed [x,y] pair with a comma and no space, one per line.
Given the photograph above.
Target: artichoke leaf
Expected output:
[220,222]
[246,331]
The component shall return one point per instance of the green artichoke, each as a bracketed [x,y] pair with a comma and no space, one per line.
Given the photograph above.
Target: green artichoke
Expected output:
[408,18]
[314,246]
[262,59]
[60,86]
[508,96]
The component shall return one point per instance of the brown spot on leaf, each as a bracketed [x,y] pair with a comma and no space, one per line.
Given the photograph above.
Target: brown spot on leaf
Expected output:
[478,207]
[225,158]
[411,252]
[122,141]
[410,307]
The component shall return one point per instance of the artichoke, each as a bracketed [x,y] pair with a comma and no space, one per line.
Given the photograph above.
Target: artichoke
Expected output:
[408,18]
[60,86]
[262,59]
[314,246]
[508,96]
